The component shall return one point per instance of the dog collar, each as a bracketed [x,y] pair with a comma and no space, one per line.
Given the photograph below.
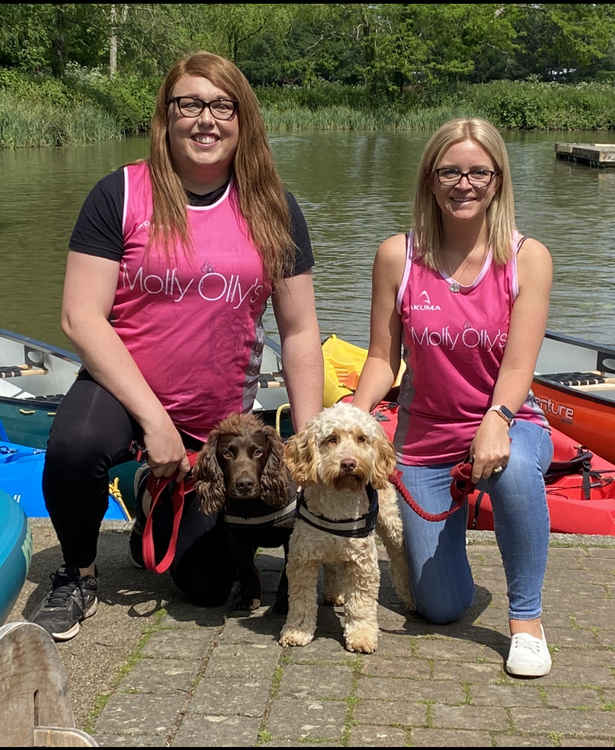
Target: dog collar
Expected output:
[251,514]
[357,527]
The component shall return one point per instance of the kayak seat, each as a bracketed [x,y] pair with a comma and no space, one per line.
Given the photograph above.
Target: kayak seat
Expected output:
[575,378]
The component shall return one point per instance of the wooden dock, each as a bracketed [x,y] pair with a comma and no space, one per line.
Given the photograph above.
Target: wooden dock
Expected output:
[592,154]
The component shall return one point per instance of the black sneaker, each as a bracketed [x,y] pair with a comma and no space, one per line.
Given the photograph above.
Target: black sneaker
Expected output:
[72,598]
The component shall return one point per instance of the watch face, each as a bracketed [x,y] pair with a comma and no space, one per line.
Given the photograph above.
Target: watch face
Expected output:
[507,412]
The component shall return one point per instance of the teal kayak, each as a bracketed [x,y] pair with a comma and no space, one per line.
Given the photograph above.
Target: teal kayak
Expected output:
[15,552]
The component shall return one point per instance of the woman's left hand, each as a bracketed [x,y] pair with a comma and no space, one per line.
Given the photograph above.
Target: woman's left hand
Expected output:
[490,448]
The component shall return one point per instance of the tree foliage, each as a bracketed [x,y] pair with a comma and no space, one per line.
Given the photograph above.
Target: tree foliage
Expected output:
[388,47]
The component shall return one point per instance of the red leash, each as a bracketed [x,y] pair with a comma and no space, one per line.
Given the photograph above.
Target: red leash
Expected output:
[155,487]
[461,487]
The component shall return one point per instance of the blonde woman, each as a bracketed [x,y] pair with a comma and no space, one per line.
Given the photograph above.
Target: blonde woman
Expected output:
[467,297]
[171,265]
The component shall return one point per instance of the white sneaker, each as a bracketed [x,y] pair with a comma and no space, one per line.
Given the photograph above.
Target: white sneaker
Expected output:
[528,656]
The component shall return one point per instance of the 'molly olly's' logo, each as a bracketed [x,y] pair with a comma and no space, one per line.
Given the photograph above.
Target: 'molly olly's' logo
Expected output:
[469,338]
[425,303]
[210,286]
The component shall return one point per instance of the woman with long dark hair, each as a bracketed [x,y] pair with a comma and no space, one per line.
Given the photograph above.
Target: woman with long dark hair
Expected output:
[172,262]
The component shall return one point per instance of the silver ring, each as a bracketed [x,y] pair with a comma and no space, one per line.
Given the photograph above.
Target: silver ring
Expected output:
[497,469]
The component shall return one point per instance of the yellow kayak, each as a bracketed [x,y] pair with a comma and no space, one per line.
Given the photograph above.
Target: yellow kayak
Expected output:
[343,363]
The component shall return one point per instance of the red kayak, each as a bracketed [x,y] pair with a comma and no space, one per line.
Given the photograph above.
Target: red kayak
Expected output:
[574,383]
[580,485]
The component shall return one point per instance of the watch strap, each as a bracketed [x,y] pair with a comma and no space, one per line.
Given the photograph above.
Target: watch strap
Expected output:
[504,412]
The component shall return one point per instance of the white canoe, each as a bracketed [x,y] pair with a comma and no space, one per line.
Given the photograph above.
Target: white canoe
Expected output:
[35,374]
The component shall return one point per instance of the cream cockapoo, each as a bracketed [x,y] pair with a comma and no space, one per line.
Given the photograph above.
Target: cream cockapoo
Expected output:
[339,458]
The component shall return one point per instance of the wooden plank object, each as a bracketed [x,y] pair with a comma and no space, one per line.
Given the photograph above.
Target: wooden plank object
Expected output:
[35,707]
[16,371]
[592,154]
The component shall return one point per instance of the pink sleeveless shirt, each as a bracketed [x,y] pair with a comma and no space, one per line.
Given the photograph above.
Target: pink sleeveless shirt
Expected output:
[193,322]
[453,338]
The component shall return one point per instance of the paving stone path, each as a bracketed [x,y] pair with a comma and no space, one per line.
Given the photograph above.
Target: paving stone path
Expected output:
[151,670]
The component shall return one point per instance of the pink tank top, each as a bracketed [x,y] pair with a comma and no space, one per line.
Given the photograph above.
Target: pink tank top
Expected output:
[453,338]
[192,323]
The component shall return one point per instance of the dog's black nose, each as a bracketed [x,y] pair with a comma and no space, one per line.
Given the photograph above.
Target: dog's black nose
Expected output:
[245,485]
[348,465]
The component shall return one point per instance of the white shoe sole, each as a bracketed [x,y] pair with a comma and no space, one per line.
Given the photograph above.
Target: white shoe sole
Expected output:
[72,632]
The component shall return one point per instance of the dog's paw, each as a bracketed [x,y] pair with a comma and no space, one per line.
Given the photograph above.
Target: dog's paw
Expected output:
[245,603]
[294,637]
[363,640]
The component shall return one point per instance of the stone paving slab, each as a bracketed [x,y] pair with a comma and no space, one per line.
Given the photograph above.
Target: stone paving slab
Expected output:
[152,670]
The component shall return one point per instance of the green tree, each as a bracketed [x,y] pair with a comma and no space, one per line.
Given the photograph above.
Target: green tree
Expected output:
[555,38]
[43,38]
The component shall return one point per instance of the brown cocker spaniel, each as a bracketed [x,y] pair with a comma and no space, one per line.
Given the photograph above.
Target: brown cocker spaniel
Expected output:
[240,472]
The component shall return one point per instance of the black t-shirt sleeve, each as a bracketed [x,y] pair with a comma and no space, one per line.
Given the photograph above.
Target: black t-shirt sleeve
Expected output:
[304,257]
[98,230]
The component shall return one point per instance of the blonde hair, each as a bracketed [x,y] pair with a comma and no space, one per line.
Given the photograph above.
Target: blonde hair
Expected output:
[262,198]
[501,212]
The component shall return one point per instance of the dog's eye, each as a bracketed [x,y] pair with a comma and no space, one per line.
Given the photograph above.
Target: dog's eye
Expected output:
[361,439]
[258,453]
[332,440]
[226,453]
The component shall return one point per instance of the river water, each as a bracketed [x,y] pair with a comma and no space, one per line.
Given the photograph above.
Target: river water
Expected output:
[355,190]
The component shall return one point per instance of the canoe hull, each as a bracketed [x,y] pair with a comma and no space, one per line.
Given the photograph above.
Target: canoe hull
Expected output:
[34,376]
[574,383]
[587,420]
[15,552]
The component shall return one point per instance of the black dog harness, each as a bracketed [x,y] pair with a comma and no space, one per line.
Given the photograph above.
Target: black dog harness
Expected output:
[356,527]
[257,514]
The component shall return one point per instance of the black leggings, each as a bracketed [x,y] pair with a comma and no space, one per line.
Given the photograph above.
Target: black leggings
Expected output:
[91,432]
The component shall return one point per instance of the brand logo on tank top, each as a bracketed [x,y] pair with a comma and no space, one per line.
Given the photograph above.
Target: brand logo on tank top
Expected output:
[469,338]
[426,303]
[211,286]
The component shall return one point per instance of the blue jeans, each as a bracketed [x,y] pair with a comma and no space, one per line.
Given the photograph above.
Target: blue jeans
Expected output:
[440,575]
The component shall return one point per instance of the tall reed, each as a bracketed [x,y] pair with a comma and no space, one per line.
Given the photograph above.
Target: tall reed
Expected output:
[27,122]
[346,118]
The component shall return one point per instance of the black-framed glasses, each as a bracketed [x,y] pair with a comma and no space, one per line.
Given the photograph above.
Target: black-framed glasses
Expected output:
[192,106]
[450,176]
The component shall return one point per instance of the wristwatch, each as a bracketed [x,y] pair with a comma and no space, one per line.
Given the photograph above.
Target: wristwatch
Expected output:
[504,412]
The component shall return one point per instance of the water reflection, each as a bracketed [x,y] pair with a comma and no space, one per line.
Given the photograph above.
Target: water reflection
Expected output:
[355,190]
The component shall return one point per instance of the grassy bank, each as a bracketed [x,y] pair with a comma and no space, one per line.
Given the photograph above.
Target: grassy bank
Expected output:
[84,107]
[519,105]
[87,107]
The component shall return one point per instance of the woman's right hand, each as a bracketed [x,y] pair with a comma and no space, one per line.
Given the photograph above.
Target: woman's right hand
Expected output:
[166,453]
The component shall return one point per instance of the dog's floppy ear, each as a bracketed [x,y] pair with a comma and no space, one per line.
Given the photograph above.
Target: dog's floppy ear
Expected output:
[300,457]
[275,478]
[384,465]
[209,479]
